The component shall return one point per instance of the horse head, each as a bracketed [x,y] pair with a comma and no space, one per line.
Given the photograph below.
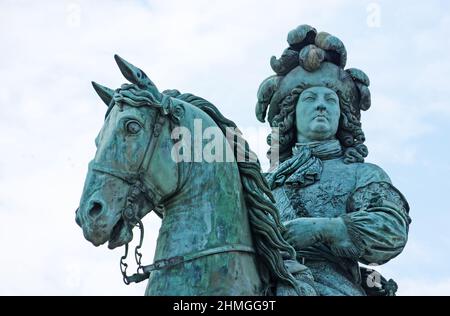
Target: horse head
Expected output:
[122,186]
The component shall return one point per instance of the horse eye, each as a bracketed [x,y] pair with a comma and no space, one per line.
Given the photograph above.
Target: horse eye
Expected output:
[133,127]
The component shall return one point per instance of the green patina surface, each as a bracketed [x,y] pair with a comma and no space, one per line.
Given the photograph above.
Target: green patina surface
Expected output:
[302,229]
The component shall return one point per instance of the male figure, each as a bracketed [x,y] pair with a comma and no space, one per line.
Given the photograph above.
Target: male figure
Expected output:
[338,210]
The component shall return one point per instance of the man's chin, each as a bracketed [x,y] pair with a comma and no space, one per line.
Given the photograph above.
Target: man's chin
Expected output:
[321,132]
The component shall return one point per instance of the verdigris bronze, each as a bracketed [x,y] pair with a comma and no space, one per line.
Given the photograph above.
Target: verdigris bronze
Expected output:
[220,232]
[339,210]
[226,229]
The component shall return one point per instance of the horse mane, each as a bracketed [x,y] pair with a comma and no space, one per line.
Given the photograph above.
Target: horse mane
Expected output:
[264,218]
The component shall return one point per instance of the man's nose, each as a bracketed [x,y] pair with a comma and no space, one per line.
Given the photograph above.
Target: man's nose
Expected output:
[321,107]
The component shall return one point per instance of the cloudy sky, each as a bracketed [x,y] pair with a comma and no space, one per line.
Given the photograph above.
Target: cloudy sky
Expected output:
[220,50]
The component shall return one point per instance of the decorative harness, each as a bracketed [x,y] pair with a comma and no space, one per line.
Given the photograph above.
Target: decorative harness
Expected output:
[130,212]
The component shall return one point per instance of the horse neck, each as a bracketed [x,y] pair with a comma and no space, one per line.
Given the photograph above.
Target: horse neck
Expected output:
[209,212]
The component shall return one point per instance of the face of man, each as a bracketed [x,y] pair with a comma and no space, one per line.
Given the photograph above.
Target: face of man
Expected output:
[317,115]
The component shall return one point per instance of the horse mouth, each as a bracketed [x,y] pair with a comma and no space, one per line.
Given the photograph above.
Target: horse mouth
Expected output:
[121,234]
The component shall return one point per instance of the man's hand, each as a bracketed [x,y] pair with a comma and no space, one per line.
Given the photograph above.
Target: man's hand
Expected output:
[305,232]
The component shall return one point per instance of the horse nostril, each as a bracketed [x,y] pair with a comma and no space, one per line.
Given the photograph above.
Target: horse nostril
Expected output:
[95,210]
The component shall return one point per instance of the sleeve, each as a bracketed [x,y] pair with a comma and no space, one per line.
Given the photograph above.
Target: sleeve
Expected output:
[377,218]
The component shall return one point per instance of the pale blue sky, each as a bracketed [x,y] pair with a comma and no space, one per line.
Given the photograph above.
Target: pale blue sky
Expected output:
[220,50]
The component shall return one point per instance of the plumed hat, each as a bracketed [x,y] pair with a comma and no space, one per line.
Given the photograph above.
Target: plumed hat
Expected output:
[312,59]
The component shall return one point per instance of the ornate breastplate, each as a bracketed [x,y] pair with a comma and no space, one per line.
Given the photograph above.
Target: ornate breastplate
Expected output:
[324,198]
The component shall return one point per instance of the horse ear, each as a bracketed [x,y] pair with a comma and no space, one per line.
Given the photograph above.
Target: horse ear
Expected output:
[133,74]
[106,94]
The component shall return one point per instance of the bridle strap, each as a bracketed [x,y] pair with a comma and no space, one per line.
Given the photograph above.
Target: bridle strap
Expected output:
[128,177]
[157,128]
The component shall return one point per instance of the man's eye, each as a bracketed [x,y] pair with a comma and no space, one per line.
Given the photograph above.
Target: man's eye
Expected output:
[331,100]
[133,127]
[308,99]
